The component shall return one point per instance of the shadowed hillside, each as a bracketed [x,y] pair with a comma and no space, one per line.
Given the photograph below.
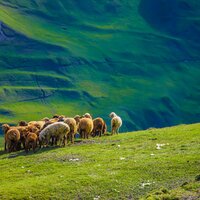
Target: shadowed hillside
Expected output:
[138,58]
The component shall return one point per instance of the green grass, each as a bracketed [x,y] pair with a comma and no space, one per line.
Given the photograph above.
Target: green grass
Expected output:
[112,167]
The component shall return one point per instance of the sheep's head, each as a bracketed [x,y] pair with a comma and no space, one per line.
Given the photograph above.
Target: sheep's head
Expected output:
[46,119]
[61,118]
[56,116]
[112,114]
[5,128]
[77,118]
[33,129]
[22,123]
[46,124]
[87,115]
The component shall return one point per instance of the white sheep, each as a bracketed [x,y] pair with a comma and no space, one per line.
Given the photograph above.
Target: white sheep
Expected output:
[116,123]
[57,131]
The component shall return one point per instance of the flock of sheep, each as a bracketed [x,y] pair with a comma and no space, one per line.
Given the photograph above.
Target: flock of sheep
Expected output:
[56,131]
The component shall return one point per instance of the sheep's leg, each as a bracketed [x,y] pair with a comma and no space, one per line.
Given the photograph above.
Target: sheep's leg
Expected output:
[26,148]
[61,140]
[81,134]
[64,140]
[40,144]
[52,141]
[72,137]
[24,144]
[9,147]
[47,141]
[112,131]
[101,132]
[117,130]
[34,146]
[15,146]
[5,146]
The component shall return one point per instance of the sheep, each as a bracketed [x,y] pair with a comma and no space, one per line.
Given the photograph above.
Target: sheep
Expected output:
[99,127]
[85,127]
[73,128]
[31,142]
[47,123]
[12,138]
[116,123]
[6,128]
[59,130]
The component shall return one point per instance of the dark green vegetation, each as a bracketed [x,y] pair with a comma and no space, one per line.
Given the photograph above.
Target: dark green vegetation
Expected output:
[127,166]
[137,58]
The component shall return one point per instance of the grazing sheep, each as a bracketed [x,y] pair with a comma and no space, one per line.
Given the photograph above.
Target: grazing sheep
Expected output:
[99,127]
[73,128]
[116,123]
[31,142]
[12,138]
[6,128]
[85,127]
[57,130]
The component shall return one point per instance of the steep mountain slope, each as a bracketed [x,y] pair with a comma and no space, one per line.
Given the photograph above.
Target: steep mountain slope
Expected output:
[138,58]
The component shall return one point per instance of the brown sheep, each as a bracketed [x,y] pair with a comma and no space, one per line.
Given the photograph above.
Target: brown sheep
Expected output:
[73,128]
[12,138]
[31,142]
[99,127]
[85,127]
[6,128]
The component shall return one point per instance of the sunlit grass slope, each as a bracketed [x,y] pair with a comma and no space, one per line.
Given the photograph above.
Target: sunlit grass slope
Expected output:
[136,58]
[126,166]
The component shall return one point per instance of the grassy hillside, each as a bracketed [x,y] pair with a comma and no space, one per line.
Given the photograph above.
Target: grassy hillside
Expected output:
[127,166]
[137,58]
